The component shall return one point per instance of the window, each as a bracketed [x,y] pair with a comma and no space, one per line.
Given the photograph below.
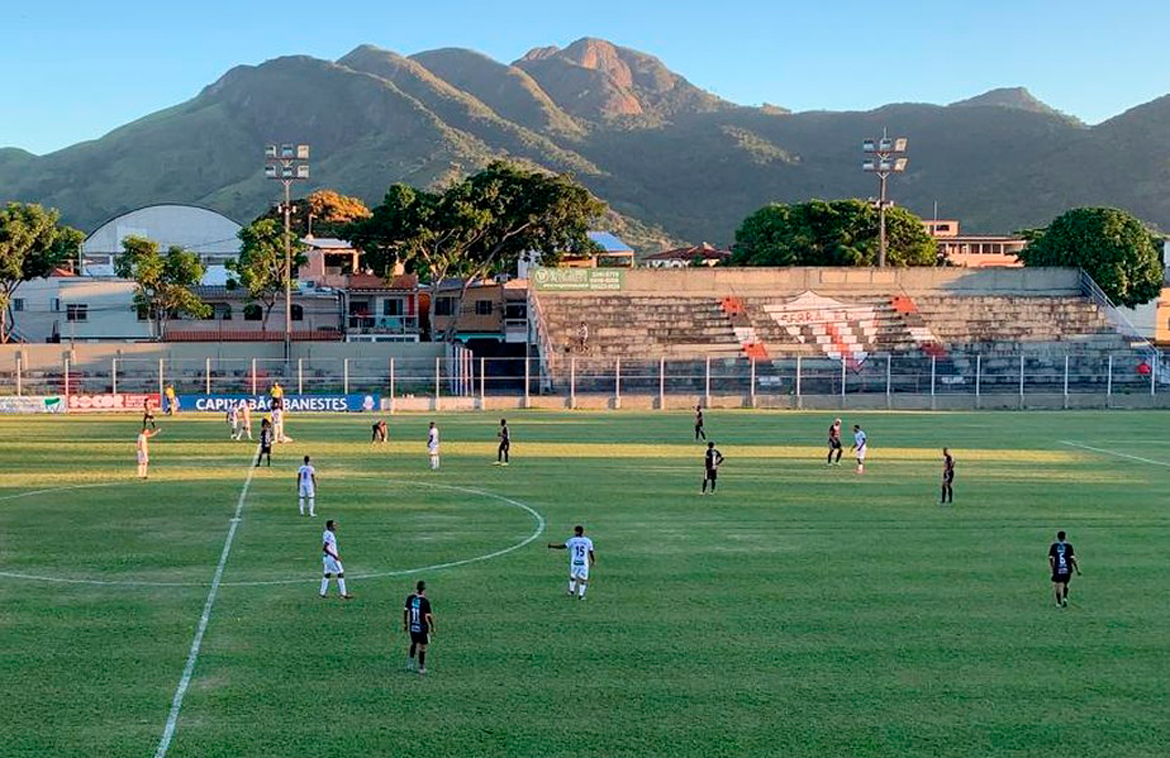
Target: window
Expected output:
[483,307]
[445,306]
[516,311]
[298,312]
[253,312]
[393,306]
[18,303]
[76,312]
[222,312]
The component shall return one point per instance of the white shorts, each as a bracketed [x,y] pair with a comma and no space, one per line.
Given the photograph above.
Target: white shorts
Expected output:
[579,572]
[143,457]
[308,491]
[332,565]
[861,454]
[433,449]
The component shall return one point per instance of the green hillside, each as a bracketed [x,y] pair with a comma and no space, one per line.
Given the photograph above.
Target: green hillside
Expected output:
[673,161]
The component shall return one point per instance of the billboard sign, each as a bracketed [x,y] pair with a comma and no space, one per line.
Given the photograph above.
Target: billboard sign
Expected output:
[108,402]
[32,404]
[578,279]
[292,403]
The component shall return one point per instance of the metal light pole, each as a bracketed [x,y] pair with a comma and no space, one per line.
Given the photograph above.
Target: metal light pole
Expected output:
[287,164]
[885,156]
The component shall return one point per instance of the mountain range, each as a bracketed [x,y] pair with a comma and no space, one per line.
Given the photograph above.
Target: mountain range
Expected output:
[674,162]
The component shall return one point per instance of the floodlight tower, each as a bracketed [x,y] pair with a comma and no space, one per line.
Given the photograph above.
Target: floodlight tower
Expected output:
[884,156]
[287,164]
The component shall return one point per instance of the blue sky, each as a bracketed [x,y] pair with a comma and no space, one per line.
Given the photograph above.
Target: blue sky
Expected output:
[74,70]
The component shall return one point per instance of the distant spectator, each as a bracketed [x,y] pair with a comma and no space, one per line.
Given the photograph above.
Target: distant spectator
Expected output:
[583,337]
[1143,369]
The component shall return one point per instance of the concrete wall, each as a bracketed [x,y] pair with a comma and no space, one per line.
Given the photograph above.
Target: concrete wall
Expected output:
[97,356]
[723,281]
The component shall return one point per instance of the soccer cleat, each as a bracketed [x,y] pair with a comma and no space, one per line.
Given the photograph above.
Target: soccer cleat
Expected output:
[422,672]
[410,665]
[346,597]
[322,596]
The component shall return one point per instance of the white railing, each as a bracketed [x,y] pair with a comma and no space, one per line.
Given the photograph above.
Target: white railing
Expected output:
[1125,327]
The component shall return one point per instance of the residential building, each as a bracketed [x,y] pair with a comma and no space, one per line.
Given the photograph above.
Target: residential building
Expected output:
[381,311]
[64,307]
[614,253]
[683,257]
[974,250]
[480,316]
[234,317]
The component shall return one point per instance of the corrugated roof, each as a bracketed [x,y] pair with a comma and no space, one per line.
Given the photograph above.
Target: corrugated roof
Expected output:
[611,243]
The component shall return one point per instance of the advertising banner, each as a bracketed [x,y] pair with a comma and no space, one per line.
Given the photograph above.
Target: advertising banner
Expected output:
[32,404]
[110,403]
[292,403]
[578,279]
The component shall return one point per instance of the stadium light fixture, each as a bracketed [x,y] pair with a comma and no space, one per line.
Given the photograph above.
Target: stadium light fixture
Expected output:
[885,156]
[286,164]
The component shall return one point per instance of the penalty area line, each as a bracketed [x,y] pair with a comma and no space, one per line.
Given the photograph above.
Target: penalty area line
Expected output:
[192,656]
[1105,451]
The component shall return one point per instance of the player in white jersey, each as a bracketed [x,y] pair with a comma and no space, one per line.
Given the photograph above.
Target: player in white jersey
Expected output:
[245,420]
[581,558]
[307,487]
[332,560]
[859,445]
[433,446]
[143,448]
[233,421]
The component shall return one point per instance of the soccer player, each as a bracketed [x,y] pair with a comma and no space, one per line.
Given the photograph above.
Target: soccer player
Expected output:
[834,443]
[581,557]
[265,441]
[1062,562]
[245,420]
[948,478]
[712,459]
[699,423]
[859,444]
[278,425]
[277,396]
[332,561]
[419,621]
[307,487]
[433,446]
[505,438]
[378,431]
[143,449]
[233,421]
[172,400]
[148,414]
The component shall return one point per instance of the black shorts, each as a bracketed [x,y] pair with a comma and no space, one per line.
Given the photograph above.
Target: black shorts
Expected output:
[1061,578]
[948,478]
[834,444]
[265,451]
[712,474]
[420,638]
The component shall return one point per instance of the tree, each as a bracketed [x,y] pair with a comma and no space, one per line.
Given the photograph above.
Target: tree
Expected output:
[324,212]
[1112,246]
[833,233]
[32,244]
[259,269]
[164,281]
[477,226]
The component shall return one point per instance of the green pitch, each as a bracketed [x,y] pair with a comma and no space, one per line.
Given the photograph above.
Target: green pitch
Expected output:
[802,611]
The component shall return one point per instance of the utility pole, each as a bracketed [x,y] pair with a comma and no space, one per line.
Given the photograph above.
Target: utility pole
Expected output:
[885,156]
[287,164]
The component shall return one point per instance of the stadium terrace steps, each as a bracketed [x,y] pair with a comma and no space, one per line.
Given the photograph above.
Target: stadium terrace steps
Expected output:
[818,325]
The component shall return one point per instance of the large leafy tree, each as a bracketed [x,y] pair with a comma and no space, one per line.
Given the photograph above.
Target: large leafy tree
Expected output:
[32,244]
[259,269]
[477,226]
[1112,246]
[830,233]
[165,281]
[325,212]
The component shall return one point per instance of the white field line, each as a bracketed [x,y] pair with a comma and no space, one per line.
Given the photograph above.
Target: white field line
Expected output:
[188,670]
[1116,453]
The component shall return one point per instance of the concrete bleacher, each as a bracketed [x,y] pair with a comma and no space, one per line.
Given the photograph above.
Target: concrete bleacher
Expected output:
[826,313]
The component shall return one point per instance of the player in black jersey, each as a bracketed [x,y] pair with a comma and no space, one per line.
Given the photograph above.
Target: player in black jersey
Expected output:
[265,441]
[419,622]
[505,438]
[834,443]
[148,415]
[712,459]
[1062,562]
[378,431]
[948,478]
[699,433]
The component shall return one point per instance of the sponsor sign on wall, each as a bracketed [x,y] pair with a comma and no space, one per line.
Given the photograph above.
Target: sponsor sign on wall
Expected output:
[110,402]
[32,404]
[292,403]
[578,279]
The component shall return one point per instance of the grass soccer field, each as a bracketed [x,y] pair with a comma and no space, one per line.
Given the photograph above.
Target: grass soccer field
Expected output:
[801,611]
